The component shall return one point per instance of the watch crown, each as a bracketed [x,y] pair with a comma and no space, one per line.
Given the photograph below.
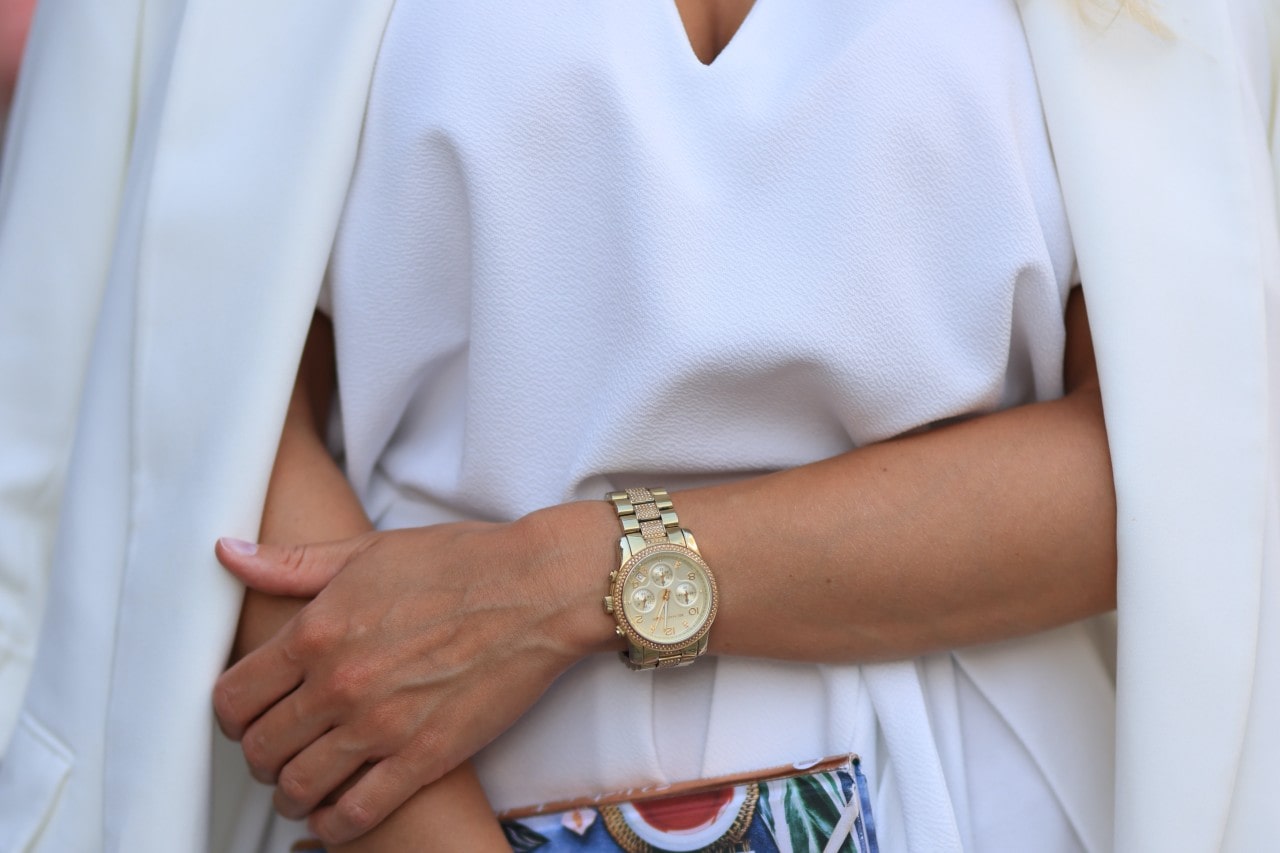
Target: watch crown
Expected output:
[617,629]
[613,576]
[608,604]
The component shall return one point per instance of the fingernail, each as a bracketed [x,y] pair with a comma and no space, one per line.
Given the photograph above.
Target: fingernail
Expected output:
[239,546]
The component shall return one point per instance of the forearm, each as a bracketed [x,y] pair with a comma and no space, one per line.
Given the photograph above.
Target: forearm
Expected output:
[451,815]
[982,531]
[310,500]
[421,653]
[979,531]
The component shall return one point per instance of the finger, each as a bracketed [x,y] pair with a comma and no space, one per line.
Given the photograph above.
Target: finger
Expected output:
[347,785]
[260,679]
[294,570]
[385,788]
[316,772]
[286,729]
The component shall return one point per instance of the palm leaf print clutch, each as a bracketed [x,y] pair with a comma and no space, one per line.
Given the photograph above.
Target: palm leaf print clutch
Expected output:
[814,807]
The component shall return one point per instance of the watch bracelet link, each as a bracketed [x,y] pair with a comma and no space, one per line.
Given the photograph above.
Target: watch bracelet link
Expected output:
[648,517]
[653,659]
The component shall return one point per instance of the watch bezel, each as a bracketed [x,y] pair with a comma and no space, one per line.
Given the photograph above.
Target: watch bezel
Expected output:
[619,584]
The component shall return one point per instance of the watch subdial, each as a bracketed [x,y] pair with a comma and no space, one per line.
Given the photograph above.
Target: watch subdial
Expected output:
[685,593]
[661,575]
[643,600]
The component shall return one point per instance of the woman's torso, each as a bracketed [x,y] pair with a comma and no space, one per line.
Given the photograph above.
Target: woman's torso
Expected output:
[573,254]
[575,258]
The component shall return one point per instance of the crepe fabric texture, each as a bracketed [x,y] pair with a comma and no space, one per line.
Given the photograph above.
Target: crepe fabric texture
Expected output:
[574,258]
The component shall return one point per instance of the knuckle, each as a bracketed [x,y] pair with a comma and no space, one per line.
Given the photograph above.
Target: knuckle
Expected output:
[257,753]
[312,637]
[254,757]
[293,795]
[224,708]
[356,815]
[253,749]
[350,682]
[294,557]
[350,743]
[408,772]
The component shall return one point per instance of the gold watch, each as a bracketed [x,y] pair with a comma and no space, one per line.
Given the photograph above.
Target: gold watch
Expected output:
[664,595]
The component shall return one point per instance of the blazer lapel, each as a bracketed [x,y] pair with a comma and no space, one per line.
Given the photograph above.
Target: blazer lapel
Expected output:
[254,151]
[1153,144]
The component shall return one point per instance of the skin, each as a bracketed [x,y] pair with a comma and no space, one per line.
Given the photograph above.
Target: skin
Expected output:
[414,653]
[309,499]
[710,24]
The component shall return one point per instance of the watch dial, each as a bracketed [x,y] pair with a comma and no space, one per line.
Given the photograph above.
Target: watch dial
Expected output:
[666,595]
[643,600]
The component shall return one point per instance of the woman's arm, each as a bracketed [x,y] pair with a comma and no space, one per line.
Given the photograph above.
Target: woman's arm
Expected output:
[309,499]
[993,528]
[420,651]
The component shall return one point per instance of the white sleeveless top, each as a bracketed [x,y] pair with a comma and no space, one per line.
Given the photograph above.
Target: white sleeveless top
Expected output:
[576,259]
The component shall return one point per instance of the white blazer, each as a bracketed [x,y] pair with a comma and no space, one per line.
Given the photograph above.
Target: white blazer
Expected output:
[172,183]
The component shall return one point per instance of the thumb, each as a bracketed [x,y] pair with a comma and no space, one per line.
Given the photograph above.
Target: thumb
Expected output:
[300,571]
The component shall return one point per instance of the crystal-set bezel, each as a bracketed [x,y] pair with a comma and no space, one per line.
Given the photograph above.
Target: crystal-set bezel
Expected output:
[619,587]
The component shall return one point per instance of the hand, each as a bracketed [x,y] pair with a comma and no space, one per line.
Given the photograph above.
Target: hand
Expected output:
[420,647]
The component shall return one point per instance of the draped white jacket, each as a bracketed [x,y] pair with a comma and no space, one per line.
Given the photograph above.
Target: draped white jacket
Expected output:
[172,183]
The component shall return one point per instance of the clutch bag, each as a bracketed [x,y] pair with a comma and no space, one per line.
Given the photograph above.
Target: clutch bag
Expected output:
[813,807]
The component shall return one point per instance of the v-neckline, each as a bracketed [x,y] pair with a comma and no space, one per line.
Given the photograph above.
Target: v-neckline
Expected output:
[729,46]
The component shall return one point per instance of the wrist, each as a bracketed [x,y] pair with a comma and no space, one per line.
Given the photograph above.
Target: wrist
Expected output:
[577,548]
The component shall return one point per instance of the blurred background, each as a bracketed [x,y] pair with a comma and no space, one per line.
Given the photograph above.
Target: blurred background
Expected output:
[15,17]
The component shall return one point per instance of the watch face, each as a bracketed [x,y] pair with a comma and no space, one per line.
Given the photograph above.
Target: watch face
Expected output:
[666,596]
